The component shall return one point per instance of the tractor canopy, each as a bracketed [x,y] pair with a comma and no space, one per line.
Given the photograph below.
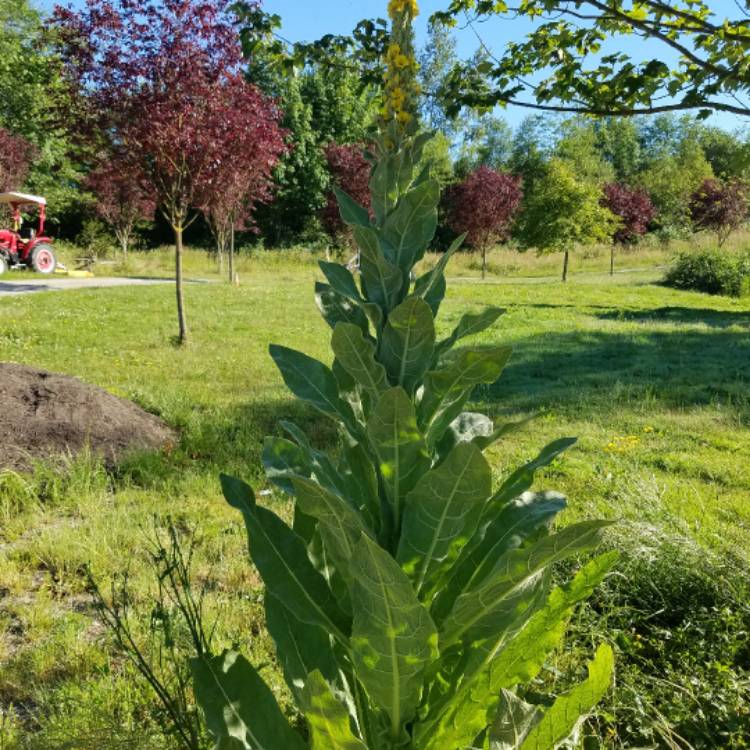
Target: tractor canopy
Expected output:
[22,199]
[16,200]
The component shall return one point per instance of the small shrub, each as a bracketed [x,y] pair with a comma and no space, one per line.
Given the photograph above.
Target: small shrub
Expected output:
[711,271]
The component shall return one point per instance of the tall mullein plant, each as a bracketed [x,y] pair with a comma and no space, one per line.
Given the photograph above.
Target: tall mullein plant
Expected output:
[411,598]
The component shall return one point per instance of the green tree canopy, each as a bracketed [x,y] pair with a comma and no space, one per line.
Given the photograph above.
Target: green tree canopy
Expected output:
[712,70]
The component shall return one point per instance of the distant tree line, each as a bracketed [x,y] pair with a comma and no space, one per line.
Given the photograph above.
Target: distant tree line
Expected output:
[667,174]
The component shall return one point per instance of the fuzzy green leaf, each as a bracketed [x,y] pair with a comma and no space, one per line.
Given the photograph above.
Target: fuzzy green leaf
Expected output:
[393,637]
[442,513]
[560,720]
[410,227]
[327,717]
[281,559]
[519,521]
[241,711]
[382,281]
[469,325]
[314,383]
[351,212]
[400,447]
[339,524]
[300,648]
[356,354]
[408,343]
[471,705]
[338,309]
[283,459]
[448,389]
[515,720]
[484,607]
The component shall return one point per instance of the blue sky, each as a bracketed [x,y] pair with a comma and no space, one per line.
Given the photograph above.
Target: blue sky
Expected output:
[306,20]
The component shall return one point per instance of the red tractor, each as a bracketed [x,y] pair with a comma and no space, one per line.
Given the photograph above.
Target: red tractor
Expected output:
[34,250]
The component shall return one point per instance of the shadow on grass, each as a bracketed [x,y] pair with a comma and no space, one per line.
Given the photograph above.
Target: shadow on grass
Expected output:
[599,372]
[225,440]
[682,315]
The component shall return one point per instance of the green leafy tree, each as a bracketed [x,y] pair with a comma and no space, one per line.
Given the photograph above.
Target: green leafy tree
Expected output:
[35,105]
[301,177]
[409,598]
[579,148]
[322,105]
[618,141]
[532,148]
[436,60]
[563,213]
[672,179]
[710,73]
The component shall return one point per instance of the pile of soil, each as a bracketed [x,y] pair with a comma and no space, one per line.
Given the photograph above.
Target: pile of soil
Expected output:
[44,415]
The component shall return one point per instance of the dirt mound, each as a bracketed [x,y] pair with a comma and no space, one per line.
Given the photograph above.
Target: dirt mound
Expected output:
[44,415]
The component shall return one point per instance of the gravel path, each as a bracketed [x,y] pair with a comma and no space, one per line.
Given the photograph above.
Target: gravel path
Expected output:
[10,287]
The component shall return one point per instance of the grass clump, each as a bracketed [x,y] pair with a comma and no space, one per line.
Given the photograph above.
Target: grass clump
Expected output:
[711,271]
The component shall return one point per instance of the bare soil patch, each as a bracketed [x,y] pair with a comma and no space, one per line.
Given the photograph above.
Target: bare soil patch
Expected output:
[44,415]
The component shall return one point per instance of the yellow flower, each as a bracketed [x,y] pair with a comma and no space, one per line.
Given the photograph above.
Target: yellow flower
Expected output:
[404,118]
[397,7]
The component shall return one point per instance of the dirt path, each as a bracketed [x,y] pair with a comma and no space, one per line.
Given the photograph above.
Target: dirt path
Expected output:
[12,287]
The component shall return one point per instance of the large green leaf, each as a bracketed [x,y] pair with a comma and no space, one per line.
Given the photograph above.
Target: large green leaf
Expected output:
[361,477]
[515,720]
[521,479]
[519,521]
[400,447]
[283,459]
[281,559]
[327,717]
[408,343]
[560,720]
[393,637]
[442,512]
[301,648]
[382,281]
[338,309]
[410,227]
[469,325]
[467,427]
[356,355]
[478,610]
[313,382]
[390,178]
[241,711]
[351,212]
[339,524]
[341,280]
[499,664]
[448,389]
[432,286]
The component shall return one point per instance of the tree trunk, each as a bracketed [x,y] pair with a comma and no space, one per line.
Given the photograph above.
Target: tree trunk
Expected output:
[484,261]
[182,322]
[612,261]
[231,255]
[565,266]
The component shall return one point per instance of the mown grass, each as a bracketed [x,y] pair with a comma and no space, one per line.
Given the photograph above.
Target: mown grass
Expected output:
[653,381]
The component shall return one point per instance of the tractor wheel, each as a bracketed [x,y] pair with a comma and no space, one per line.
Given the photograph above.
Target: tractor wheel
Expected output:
[3,264]
[43,259]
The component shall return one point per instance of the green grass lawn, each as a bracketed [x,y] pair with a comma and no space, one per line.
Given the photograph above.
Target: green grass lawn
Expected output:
[655,383]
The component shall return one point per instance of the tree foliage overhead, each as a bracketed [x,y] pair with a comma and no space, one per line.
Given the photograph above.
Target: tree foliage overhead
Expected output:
[577,73]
